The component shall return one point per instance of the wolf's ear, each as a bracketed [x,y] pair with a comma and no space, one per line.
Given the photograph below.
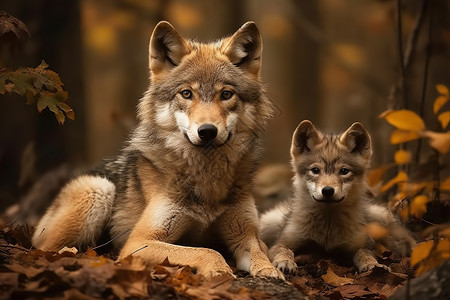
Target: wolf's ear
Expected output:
[305,137]
[166,48]
[244,48]
[357,139]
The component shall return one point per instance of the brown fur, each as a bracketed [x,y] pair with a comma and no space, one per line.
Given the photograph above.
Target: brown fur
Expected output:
[169,184]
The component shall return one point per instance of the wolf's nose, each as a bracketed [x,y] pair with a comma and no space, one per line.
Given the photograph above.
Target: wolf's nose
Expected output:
[327,191]
[207,132]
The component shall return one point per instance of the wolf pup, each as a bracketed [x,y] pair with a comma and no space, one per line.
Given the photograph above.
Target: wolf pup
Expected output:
[187,166]
[330,206]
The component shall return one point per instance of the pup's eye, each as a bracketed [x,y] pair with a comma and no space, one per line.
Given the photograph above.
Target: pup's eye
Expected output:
[344,171]
[226,95]
[186,94]
[315,170]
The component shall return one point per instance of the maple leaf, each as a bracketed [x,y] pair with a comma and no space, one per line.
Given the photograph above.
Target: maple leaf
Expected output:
[40,85]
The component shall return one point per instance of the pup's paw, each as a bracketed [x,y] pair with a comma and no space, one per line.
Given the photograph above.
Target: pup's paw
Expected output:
[269,271]
[369,266]
[287,266]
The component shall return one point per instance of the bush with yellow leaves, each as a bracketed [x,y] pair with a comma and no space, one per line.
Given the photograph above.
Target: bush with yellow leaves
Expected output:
[410,197]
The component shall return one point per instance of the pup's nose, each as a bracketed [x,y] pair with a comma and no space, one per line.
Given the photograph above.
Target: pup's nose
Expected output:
[207,132]
[327,191]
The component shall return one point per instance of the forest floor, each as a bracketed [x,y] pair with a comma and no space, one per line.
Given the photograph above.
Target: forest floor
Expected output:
[27,273]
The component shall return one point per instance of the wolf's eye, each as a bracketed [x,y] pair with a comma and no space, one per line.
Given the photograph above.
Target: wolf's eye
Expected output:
[344,171]
[186,94]
[226,95]
[315,170]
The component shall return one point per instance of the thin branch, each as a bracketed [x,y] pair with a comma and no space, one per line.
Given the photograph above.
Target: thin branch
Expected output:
[410,47]
[142,248]
[427,63]
[400,53]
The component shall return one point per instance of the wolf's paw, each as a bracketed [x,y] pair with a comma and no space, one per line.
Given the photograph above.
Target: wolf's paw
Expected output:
[212,265]
[369,266]
[269,271]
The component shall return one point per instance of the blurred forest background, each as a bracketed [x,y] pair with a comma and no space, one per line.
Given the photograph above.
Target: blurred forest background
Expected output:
[331,61]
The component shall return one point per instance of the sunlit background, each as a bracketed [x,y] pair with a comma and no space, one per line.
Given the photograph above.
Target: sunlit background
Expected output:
[331,61]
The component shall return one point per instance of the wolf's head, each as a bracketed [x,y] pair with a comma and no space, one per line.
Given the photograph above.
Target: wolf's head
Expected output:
[204,94]
[332,168]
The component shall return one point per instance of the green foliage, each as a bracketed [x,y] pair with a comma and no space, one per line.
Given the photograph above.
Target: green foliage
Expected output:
[39,85]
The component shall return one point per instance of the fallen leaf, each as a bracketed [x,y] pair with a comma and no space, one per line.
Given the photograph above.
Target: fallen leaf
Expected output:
[331,278]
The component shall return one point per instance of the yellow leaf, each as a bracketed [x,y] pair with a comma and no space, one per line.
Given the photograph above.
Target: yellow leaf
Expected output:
[405,119]
[420,252]
[418,206]
[332,278]
[376,175]
[438,140]
[445,185]
[385,113]
[444,118]
[400,178]
[402,136]
[439,102]
[437,256]
[442,89]
[376,231]
[402,157]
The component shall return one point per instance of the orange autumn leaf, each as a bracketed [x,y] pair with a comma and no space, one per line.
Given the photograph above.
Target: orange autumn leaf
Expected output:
[444,119]
[402,157]
[418,206]
[442,89]
[438,140]
[405,119]
[335,280]
[399,136]
[400,178]
[445,185]
[376,175]
[376,231]
[420,252]
[439,102]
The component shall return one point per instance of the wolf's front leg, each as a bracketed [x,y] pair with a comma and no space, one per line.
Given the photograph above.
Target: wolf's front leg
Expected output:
[282,253]
[239,227]
[162,224]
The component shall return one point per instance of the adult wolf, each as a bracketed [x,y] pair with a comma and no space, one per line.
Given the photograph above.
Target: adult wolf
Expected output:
[331,202]
[187,167]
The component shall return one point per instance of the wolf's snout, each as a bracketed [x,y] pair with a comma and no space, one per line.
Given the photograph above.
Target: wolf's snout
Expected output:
[207,132]
[328,191]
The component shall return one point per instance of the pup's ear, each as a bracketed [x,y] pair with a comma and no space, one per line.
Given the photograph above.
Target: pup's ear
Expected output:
[357,139]
[166,48]
[305,137]
[244,48]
